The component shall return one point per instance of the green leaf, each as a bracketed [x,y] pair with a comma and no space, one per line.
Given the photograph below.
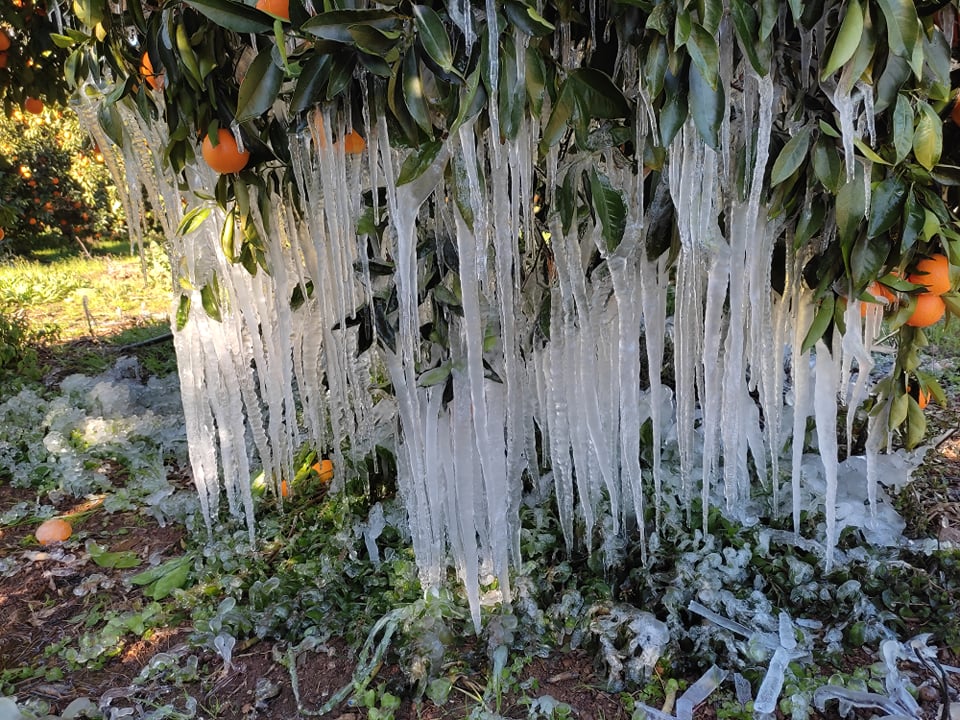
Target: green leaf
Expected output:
[866,258]
[827,165]
[193,220]
[436,375]
[821,321]
[707,107]
[172,580]
[928,136]
[314,73]
[886,204]
[183,311]
[527,19]
[903,26]
[260,86]
[120,560]
[153,574]
[413,95]
[300,294]
[902,127]
[341,73]
[791,157]
[335,24]
[234,16]
[851,207]
[433,36]
[899,408]
[210,298]
[705,54]
[610,207]
[868,152]
[598,94]
[673,115]
[655,65]
[916,425]
[913,219]
[417,162]
[745,23]
[89,12]
[895,74]
[560,117]
[847,40]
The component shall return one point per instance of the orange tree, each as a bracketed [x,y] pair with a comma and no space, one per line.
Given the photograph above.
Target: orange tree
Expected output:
[227,62]
[53,187]
[854,158]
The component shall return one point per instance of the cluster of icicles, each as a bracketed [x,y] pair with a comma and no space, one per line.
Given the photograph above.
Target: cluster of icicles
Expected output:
[576,403]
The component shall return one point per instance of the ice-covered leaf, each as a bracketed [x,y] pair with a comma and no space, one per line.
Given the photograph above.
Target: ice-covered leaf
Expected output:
[104,558]
[791,157]
[611,209]
[193,220]
[260,86]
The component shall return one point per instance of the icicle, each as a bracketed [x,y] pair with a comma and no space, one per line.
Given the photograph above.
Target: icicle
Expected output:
[800,365]
[825,410]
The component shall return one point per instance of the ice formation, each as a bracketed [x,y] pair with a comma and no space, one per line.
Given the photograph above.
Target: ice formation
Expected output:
[545,366]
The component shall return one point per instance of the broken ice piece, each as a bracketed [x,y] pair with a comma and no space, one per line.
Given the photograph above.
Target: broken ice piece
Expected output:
[699,691]
[769,692]
[718,619]
[788,639]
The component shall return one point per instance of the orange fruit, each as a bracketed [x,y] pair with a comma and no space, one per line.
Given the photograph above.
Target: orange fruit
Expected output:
[277,8]
[3,60]
[324,468]
[32,105]
[880,296]
[3,233]
[153,79]
[226,157]
[929,309]
[923,399]
[353,143]
[934,273]
[284,489]
[4,41]
[53,531]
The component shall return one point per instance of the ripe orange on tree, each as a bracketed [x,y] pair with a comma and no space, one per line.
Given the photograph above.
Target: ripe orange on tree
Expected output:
[277,8]
[52,531]
[4,41]
[324,468]
[224,157]
[3,60]
[154,79]
[934,273]
[929,309]
[33,105]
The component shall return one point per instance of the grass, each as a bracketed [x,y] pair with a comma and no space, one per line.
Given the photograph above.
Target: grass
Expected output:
[78,311]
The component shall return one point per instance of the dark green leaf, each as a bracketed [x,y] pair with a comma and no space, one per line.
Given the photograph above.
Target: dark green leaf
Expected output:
[827,165]
[433,36]
[895,74]
[886,204]
[260,86]
[527,19]
[417,162]
[458,181]
[413,94]
[560,117]
[655,65]
[234,16]
[315,72]
[866,258]
[335,24]
[153,574]
[916,425]
[745,23]
[610,207]
[174,579]
[300,294]
[705,55]
[791,157]
[707,108]
[913,219]
[672,116]
[851,207]
[341,73]
[899,408]
[595,91]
